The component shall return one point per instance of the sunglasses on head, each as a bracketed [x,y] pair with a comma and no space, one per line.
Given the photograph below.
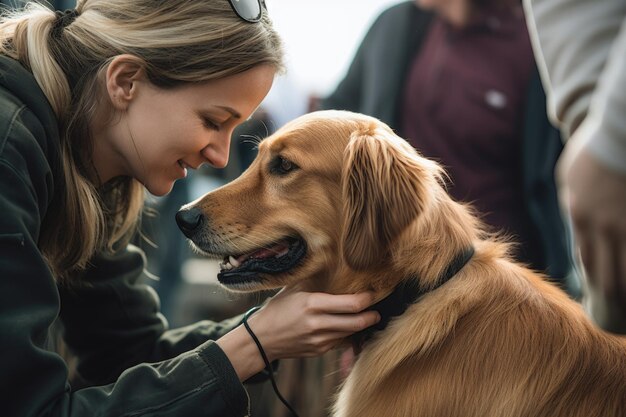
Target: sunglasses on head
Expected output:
[249,10]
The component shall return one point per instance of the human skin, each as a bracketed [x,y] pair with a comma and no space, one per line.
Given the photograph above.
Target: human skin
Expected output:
[594,196]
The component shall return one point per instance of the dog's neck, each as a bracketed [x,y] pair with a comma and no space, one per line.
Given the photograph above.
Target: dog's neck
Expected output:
[406,293]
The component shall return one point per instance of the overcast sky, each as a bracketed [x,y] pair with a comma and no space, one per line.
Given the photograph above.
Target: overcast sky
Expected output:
[321,36]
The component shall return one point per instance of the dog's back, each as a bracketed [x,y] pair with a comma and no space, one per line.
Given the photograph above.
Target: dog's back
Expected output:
[497,340]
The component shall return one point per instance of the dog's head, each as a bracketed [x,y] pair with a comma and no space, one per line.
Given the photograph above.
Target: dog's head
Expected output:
[331,191]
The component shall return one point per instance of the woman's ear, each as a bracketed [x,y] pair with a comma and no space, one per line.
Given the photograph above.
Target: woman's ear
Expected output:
[122,75]
[384,186]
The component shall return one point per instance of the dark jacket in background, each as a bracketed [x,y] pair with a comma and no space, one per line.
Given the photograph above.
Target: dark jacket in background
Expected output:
[130,363]
[374,85]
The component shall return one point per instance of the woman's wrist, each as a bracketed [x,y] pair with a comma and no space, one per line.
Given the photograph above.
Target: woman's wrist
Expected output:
[242,352]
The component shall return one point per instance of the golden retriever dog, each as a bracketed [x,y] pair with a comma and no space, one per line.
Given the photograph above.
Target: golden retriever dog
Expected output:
[336,202]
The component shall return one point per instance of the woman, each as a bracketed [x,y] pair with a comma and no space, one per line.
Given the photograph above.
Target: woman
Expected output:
[96,104]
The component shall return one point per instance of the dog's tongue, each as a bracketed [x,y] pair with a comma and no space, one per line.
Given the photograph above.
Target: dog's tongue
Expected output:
[278,250]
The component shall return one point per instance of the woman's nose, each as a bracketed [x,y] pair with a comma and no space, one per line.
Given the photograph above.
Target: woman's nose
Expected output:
[217,152]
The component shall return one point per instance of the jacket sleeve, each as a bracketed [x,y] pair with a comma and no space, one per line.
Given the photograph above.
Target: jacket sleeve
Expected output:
[580,47]
[194,377]
[607,138]
[111,320]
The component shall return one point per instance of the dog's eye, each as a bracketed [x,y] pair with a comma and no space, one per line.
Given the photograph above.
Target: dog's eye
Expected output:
[282,166]
[286,165]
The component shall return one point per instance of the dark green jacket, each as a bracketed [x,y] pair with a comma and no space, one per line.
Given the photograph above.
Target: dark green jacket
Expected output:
[130,363]
[374,83]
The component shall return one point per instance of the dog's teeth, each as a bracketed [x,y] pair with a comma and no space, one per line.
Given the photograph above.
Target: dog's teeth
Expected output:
[234,262]
[225,266]
[282,252]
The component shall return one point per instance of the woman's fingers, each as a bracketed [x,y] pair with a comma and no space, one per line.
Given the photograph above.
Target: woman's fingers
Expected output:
[343,324]
[344,303]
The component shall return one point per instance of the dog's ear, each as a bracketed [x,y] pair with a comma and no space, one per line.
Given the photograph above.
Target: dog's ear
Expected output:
[384,185]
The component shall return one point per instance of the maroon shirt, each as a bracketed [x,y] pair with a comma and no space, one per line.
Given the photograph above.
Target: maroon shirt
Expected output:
[464,105]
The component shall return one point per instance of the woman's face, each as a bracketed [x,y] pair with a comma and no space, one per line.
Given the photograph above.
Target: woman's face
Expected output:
[164,132]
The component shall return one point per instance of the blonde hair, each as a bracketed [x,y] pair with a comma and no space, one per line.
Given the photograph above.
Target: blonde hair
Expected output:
[179,41]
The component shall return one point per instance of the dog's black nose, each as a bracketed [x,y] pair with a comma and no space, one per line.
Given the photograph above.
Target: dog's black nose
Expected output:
[189,221]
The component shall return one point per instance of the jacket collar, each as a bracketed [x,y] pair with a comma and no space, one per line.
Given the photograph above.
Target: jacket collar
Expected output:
[21,83]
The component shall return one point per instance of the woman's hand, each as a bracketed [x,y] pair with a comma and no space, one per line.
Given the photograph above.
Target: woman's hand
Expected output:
[297,324]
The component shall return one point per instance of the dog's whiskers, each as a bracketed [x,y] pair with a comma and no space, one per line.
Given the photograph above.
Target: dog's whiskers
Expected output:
[253,139]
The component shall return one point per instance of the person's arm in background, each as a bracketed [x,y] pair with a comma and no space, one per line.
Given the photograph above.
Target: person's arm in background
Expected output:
[580,48]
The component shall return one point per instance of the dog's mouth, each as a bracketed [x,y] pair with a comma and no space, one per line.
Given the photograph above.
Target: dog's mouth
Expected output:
[244,269]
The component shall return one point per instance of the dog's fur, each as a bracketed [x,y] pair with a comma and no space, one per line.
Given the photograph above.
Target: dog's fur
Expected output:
[495,340]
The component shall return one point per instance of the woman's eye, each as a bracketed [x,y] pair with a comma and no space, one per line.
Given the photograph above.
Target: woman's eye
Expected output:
[211,125]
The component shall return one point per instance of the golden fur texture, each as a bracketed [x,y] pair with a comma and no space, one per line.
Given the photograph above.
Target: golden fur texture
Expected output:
[496,340]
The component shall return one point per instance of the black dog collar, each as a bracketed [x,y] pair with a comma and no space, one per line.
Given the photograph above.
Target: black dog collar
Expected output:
[404,295]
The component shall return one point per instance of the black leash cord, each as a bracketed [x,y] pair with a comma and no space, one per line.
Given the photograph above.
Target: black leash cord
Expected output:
[268,365]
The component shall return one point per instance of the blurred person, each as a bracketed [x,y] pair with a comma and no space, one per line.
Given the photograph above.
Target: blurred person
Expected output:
[98,104]
[457,79]
[581,48]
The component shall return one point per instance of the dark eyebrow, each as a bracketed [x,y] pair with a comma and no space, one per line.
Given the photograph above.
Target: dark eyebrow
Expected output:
[230,110]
